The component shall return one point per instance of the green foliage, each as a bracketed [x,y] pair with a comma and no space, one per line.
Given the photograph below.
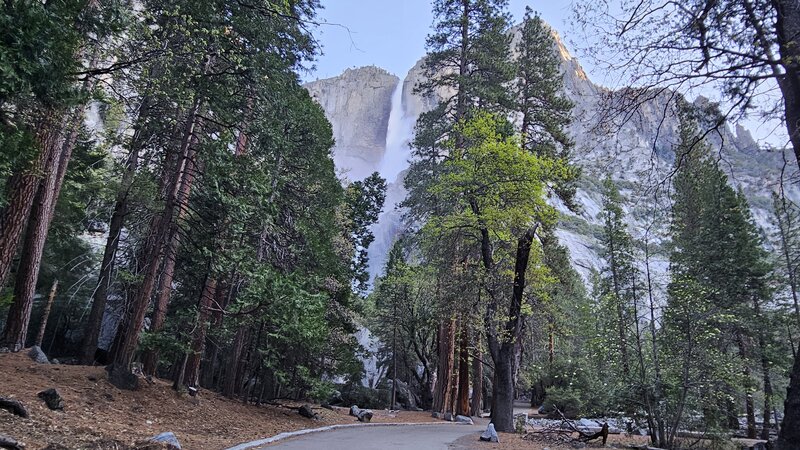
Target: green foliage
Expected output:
[539,98]
[566,400]
[365,202]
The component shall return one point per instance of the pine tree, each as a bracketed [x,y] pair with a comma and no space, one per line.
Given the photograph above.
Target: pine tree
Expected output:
[719,274]
[539,99]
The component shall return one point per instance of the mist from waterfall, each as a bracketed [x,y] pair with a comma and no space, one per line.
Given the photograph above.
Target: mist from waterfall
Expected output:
[399,133]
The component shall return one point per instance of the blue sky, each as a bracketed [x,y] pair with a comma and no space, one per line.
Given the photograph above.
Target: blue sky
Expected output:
[391,33]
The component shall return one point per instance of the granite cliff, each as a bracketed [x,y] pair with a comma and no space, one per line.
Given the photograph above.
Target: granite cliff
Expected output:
[373,113]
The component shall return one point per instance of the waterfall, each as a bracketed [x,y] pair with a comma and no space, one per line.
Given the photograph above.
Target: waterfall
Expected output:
[399,133]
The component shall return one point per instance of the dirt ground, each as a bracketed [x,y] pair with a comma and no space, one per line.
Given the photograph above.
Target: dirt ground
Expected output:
[97,415]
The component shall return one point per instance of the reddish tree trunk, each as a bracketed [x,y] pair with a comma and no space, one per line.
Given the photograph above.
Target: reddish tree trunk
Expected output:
[22,189]
[154,250]
[476,406]
[462,404]
[444,371]
[41,215]
[150,357]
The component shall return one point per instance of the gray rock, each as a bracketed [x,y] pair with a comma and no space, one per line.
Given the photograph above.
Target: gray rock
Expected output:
[490,435]
[464,419]
[437,415]
[578,445]
[38,355]
[405,397]
[365,416]
[307,412]
[354,410]
[448,416]
[55,361]
[52,398]
[168,438]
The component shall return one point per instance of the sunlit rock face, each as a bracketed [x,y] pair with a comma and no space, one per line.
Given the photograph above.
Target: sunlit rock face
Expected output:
[357,104]
[373,116]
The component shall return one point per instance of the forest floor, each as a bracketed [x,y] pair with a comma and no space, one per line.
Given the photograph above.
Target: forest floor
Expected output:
[98,416]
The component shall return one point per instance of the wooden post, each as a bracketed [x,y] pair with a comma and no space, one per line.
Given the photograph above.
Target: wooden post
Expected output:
[46,313]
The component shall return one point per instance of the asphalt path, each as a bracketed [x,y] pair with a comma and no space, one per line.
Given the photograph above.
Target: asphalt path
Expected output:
[412,437]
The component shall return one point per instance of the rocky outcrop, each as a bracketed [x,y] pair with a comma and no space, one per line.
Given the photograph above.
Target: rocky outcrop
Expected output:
[357,104]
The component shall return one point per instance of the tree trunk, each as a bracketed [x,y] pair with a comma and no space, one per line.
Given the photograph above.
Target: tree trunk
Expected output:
[476,407]
[462,404]
[23,187]
[192,377]
[19,314]
[504,350]
[789,437]
[503,391]
[788,28]
[229,386]
[150,357]
[100,296]
[46,314]
[444,370]
[154,250]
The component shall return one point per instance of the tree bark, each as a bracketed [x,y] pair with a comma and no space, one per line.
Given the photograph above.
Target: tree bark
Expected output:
[22,189]
[154,250]
[150,357]
[462,404]
[100,297]
[476,405]
[46,314]
[192,376]
[789,437]
[444,370]
[504,350]
[229,386]
[41,214]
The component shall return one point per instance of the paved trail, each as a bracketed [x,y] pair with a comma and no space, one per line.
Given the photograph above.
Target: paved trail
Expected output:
[412,437]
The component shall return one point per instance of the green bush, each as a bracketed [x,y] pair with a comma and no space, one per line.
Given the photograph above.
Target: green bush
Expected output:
[567,400]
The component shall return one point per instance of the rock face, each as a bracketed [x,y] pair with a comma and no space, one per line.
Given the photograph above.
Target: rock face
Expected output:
[636,153]
[357,103]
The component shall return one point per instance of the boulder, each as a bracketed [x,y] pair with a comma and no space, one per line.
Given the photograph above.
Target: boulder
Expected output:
[167,438]
[14,407]
[365,416]
[38,355]
[448,416]
[52,399]
[307,412]
[437,415]
[490,435]
[404,396]
[464,419]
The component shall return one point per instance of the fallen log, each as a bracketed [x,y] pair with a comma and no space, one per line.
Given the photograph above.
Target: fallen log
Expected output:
[10,444]
[14,407]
